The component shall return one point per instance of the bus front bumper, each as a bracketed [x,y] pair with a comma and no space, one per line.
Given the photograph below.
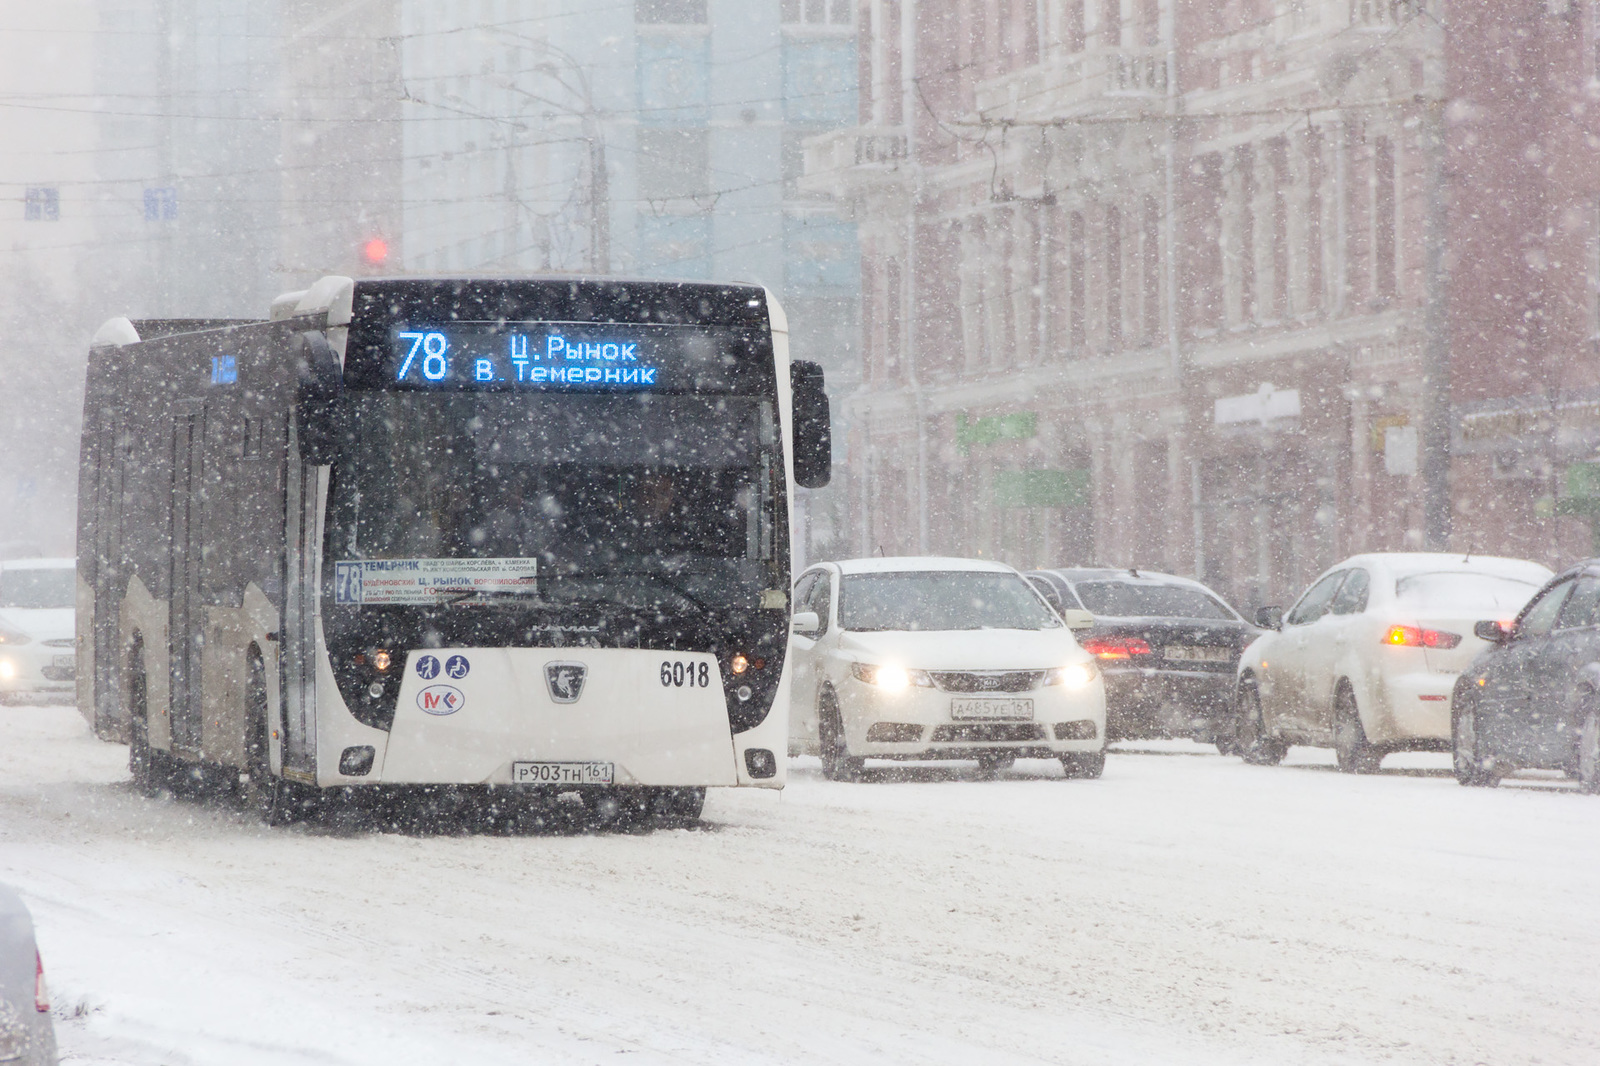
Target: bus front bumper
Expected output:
[570,717]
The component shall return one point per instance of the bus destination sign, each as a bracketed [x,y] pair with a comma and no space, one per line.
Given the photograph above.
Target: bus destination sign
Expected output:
[487,358]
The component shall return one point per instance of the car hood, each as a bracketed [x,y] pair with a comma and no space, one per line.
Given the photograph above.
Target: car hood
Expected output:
[967,649]
[40,623]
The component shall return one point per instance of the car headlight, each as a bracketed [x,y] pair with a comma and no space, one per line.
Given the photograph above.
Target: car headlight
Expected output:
[890,678]
[1076,676]
[13,637]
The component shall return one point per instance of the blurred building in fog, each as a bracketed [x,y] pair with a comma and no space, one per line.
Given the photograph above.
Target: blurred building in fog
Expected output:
[1224,288]
[659,138]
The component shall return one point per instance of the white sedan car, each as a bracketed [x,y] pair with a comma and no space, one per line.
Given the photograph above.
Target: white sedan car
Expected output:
[922,658]
[1366,659]
[37,644]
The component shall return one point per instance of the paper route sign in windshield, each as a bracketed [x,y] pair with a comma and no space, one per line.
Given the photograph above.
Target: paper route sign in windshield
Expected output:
[366,582]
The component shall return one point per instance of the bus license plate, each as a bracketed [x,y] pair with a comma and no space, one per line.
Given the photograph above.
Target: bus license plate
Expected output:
[991,710]
[562,773]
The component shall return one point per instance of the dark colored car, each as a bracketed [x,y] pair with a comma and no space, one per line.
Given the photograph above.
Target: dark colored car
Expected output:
[27,1035]
[1168,648]
[1532,699]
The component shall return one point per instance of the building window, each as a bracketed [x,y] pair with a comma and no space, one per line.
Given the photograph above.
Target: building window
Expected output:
[674,164]
[160,204]
[670,12]
[674,79]
[1385,218]
[818,12]
[819,81]
[41,203]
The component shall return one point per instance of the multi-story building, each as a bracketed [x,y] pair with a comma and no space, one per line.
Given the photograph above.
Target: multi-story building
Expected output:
[658,138]
[1224,288]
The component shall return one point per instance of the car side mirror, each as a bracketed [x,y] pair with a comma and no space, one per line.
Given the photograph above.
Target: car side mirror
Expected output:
[813,426]
[319,409]
[1077,618]
[1269,617]
[1493,632]
[805,623]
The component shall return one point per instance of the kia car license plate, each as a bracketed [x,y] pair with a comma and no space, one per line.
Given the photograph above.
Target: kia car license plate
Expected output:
[991,710]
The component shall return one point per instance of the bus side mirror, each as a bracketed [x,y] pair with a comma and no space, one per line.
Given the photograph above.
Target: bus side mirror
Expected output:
[319,408]
[1269,617]
[813,428]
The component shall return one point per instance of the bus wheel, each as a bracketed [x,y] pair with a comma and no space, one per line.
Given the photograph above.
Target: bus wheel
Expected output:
[677,808]
[142,760]
[266,795]
[147,765]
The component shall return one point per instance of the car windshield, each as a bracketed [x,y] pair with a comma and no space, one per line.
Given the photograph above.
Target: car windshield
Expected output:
[52,588]
[1125,599]
[1488,594]
[940,600]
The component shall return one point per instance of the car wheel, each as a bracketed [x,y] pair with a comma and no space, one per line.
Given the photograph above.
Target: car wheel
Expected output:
[1083,764]
[1465,755]
[1589,750]
[1250,739]
[837,762]
[991,763]
[1354,751]
[269,797]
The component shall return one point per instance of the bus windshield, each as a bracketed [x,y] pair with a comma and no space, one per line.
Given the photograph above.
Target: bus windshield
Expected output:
[639,498]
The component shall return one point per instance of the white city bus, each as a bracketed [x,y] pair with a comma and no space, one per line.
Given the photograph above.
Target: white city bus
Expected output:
[527,534]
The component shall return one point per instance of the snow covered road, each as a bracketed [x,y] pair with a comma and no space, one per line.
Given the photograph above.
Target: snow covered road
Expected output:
[1184,909]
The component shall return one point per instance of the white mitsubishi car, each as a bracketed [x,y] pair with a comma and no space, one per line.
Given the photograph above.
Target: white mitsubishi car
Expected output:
[923,658]
[1366,659]
[36,628]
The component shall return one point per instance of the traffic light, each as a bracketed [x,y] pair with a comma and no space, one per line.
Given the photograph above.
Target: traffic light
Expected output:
[375,251]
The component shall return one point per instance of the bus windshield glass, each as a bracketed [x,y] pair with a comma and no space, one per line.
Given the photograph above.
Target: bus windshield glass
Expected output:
[491,497]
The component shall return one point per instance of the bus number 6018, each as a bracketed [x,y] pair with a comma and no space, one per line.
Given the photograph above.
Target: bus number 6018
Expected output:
[677,675]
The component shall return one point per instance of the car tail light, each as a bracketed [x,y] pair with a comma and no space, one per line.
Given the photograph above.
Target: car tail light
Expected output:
[41,993]
[1417,637]
[1115,647]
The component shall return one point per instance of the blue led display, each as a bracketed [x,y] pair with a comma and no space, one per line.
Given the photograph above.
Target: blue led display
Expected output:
[224,369]
[496,359]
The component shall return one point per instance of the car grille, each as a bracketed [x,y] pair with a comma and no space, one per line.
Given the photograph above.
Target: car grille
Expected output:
[59,673]
[988,681]
[60,642]
[987,733]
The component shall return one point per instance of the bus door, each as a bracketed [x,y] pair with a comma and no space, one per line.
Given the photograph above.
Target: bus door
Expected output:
[298,650]
[108,591]
[186,614]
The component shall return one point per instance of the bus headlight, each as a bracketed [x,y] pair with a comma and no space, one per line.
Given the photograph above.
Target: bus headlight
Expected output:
[8,669]
[1073,677]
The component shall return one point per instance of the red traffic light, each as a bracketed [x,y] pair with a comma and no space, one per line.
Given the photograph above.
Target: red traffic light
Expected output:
[376,250]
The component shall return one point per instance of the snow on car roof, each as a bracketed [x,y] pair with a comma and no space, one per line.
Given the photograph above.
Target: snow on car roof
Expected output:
[38,564]
[918,563]
[1404,564]
[1110,573]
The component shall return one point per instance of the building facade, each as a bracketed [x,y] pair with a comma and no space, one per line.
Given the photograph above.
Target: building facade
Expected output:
[1230,289]
[660,138]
